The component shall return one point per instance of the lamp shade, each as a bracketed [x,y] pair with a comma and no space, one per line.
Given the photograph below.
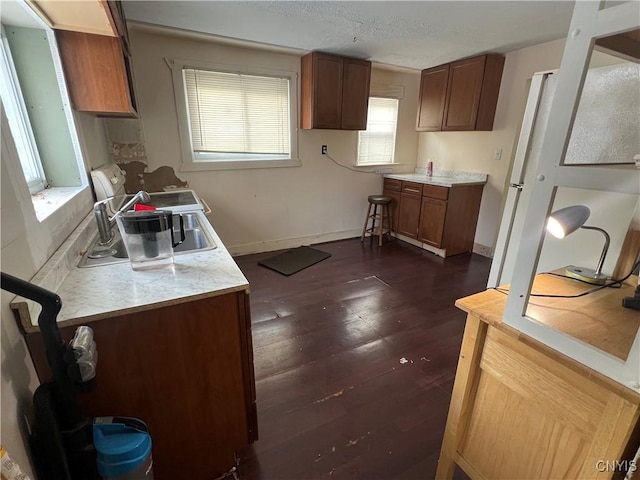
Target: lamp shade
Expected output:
[567,220]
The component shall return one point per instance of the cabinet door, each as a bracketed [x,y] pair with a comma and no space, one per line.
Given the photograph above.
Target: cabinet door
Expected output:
[395,207]
[327,86]
[432,216]
[97,75]
[409,215]
[190,380]
[463,94]
[355,94]
[433,93]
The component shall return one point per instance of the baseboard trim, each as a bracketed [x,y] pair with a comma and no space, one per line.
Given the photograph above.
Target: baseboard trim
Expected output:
[477,247]
[271,245]
[436,251]
[482,250]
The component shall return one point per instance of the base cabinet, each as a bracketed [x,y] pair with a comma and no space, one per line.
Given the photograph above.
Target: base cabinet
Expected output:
[442,217]
[186,370]
[449,216]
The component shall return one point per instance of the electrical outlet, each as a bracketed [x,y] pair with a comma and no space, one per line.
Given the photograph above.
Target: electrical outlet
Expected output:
[324,149]
[383,170]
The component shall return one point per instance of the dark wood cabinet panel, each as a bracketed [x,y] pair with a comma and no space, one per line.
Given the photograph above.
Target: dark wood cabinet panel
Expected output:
[464,88]
[186,370]
[98,73]
[623,45]
[355,94]
[490,91]
[463,208]
[392,184]
[334,92]
[432,218]
[433,95]
[327,74]
[463,94]
[409,214]
[412,188]
[435,191]
[449,216]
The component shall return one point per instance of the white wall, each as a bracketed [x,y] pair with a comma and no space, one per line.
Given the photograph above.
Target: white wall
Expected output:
[474,151]
[266,209]
[26,246]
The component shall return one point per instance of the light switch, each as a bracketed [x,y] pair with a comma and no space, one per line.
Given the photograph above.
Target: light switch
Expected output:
[498,154]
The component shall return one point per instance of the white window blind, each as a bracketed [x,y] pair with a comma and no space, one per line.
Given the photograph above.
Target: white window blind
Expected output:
[376,145]
[237,116]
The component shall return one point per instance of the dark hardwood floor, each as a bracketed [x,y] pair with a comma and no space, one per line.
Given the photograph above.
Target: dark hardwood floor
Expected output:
[354,361]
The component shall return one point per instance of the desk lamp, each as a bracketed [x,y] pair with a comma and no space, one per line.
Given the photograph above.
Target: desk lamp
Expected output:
[567,220]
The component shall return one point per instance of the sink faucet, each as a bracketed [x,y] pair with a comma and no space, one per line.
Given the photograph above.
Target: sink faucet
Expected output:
[106,223]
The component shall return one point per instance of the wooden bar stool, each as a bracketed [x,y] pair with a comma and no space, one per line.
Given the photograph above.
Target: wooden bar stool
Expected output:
[384,218]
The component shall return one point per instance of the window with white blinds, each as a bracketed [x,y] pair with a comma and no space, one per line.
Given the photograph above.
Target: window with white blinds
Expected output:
[376,144]
[236,116]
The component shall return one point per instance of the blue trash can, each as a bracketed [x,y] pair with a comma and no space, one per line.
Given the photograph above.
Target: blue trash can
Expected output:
[123,448]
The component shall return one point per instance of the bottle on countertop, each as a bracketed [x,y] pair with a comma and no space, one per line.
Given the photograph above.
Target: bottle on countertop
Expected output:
[429,168]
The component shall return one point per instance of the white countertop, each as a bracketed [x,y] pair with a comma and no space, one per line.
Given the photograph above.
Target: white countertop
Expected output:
[443,178]
[97,292]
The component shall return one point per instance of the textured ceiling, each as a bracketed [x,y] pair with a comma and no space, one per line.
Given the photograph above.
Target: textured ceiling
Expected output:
[415,34]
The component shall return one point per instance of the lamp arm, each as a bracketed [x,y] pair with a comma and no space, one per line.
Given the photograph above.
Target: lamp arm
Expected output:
[607,241]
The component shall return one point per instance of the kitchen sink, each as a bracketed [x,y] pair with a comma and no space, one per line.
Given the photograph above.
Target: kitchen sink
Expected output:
[196,239]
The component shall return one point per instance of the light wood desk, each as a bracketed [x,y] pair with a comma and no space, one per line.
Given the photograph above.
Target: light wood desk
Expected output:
[521,410]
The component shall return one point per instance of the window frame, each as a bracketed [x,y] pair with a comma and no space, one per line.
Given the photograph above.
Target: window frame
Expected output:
[395,135]
[18,119]
[189,161]
[49,199]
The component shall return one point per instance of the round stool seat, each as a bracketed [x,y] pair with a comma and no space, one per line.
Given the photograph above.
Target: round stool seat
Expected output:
[379,199]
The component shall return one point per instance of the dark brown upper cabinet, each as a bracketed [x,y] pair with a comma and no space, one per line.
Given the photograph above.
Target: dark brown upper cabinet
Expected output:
[433,95]
[623,45]
[335,92]
[461,95]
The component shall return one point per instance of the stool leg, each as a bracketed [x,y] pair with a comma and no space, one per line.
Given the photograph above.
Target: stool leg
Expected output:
[374,217]
[381,226]
[366,221]
[385,219]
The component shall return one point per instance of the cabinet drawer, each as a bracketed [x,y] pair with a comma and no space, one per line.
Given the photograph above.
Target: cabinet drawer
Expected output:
[434,191]
[412,188]
[392,184]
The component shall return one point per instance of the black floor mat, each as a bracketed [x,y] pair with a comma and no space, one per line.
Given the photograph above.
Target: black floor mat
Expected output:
[292,261]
